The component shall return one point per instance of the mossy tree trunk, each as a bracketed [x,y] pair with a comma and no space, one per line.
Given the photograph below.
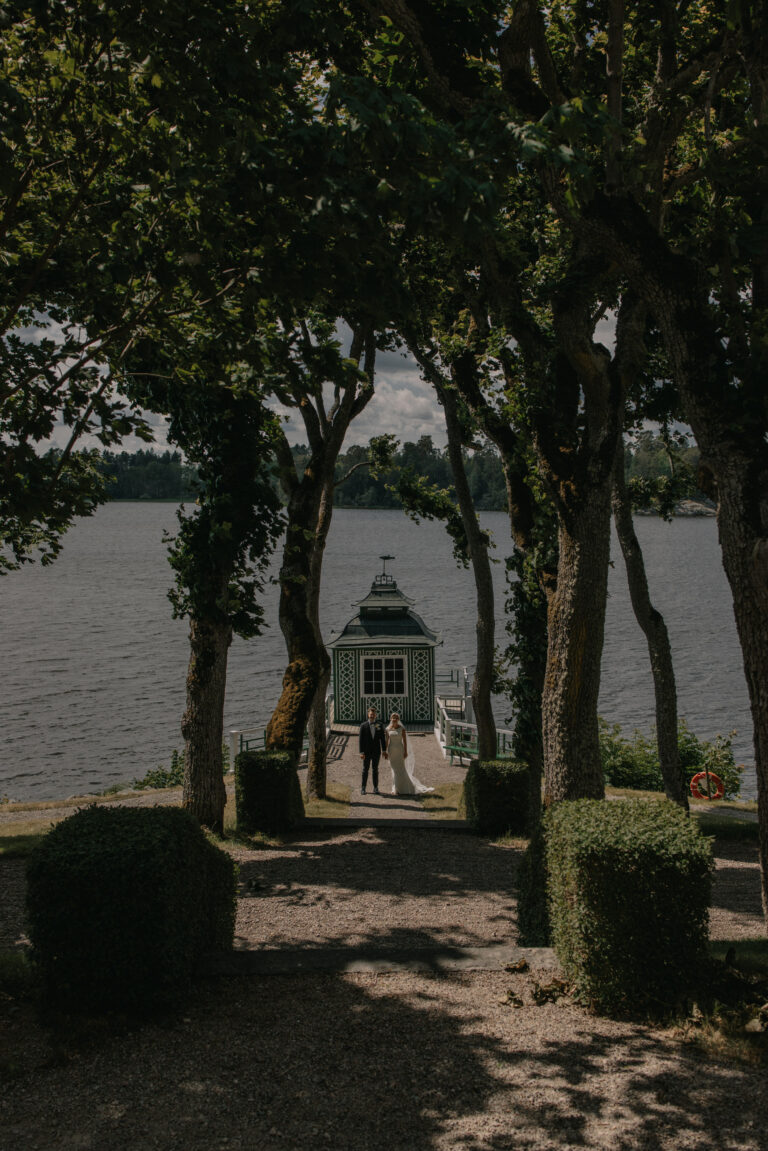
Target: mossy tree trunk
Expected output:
[534,561]
[222,549]
[527,607]
[577,432]
[575,628]
[288,722]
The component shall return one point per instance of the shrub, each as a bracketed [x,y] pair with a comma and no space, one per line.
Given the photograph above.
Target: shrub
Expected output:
[709,755]
[533,927]
[123,903]
[267,792]
[628,886]
[161,776]
[635,763]
[173,776]
[496,796]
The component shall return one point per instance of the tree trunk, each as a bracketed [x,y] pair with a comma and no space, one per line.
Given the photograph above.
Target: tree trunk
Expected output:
[288,723]
[742,518]
[576,625]
[317,756]
[202,725]
[655,630]
[477,541]
[530,533]
[529,634]
[309,517]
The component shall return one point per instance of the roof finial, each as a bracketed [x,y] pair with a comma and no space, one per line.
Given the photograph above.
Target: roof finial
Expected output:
[384,561]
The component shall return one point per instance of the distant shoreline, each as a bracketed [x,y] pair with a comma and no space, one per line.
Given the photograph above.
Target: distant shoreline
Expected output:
[684,510]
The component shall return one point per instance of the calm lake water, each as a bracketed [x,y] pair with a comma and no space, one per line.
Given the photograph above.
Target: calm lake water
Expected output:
[92,679]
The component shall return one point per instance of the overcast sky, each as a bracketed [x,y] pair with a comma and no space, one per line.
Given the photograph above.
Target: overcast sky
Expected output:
[403,405]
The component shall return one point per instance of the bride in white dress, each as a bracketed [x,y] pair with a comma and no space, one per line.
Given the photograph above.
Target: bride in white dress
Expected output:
[404,782]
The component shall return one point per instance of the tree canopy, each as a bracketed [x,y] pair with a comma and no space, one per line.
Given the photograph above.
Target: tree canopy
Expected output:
[191,199]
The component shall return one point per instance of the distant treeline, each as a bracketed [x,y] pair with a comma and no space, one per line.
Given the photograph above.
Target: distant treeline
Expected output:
[147,475]
[362,490]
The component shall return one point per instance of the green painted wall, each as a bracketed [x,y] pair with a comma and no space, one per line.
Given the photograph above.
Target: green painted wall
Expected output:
[416,706]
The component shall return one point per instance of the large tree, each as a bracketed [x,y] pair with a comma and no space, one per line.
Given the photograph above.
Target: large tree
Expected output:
[674,203]
[646,131]
[208,374]
[602,122]
[465,187]
[265,261]
[104,139]
[328,390]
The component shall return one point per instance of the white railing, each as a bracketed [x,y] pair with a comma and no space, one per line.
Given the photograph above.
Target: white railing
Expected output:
[245,739]
[255,738]
[457,736]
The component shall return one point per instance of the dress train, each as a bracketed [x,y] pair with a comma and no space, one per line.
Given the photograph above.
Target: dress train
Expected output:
[404,781]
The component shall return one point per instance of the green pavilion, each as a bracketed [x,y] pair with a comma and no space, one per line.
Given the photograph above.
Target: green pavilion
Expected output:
[385,658]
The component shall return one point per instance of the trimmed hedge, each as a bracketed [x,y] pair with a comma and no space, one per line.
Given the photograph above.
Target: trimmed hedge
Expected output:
[495,796]
[629,888]
[533,926]
[267,792]
[123,903]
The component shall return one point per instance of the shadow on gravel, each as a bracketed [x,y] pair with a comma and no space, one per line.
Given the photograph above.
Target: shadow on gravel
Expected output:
[367,1064]
[735,892]
[324,872]
[387,859]
[737,888]
[636,1089]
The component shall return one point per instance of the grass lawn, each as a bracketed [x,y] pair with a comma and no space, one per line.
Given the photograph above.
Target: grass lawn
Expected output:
[724,826]
[334,806]
[18,838]
[734,805]
[443,802]
[723,805]
[751,954]
[630,793]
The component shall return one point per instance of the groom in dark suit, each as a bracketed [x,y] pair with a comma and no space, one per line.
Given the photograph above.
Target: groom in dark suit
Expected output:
[372,743]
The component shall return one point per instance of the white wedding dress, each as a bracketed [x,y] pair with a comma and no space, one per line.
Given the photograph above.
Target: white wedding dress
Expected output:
[404,782]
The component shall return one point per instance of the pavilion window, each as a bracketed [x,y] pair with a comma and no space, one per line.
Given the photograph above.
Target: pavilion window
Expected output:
[384,675]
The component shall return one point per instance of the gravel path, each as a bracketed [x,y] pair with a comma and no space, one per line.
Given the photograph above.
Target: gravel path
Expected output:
[391,885]
[375,1063]
[345,767]
[378,1061]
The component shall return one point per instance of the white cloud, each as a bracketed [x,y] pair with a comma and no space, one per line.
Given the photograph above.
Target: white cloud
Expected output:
[605,330]
[60,437]
[402,405]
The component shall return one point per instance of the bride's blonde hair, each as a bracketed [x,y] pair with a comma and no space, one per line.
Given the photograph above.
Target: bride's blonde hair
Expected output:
[395,714]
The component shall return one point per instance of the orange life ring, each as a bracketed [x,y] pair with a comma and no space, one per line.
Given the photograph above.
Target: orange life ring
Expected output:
[699,786]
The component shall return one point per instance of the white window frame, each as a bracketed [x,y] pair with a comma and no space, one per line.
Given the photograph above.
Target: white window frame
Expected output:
[383,693]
